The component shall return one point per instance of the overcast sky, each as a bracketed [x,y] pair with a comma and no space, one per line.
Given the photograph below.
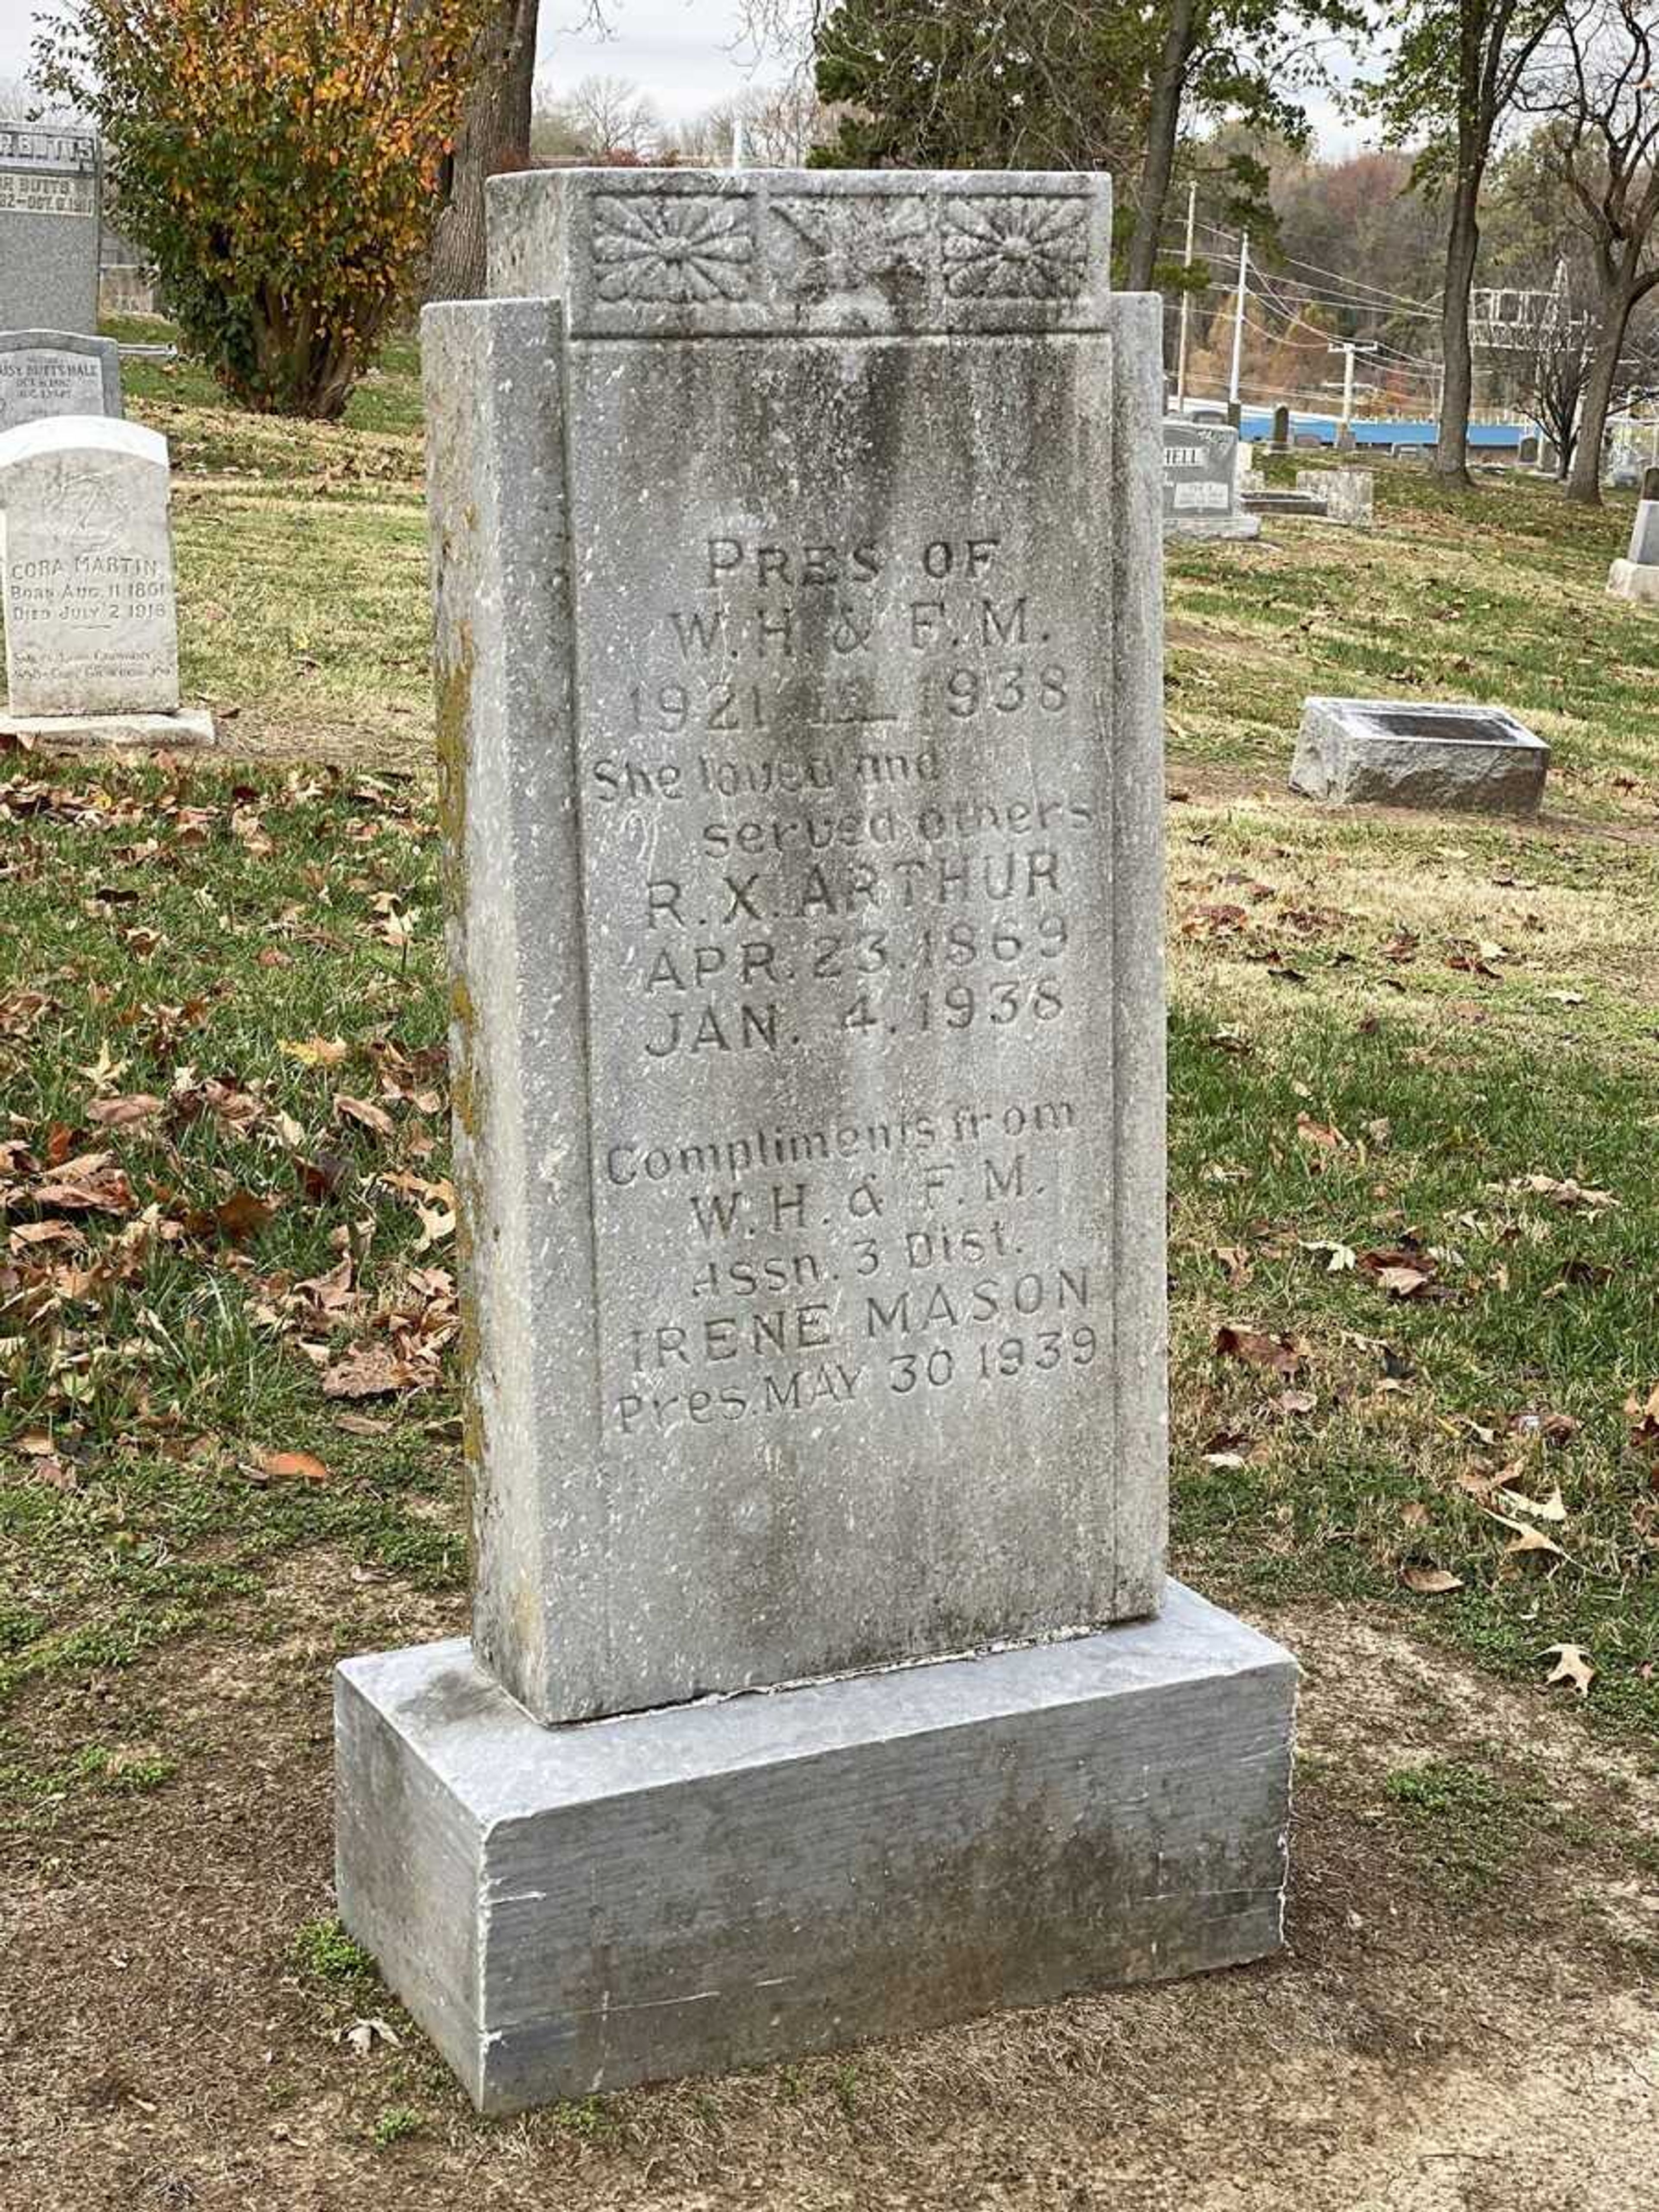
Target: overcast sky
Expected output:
[684,54]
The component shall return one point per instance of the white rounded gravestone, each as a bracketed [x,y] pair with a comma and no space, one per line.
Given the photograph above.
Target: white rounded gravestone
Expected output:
[91,626]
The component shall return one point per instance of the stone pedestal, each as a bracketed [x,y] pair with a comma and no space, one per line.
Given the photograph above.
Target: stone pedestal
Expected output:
[572,1910]
[797,570]
[1634,579]
[187,726]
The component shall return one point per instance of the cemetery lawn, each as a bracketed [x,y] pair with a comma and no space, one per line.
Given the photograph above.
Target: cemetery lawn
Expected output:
[1414,1137]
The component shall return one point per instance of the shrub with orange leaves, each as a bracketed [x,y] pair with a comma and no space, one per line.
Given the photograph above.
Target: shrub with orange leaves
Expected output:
[278,162]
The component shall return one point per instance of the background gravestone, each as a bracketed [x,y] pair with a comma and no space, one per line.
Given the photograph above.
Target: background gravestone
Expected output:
[49,195]
[46,373]
[1636,576]
[92,647]
[1200,481]
[796,555]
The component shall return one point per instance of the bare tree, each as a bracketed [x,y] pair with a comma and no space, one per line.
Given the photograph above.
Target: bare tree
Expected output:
[1456,73]
[608,118]
[494,135]
[780,125]
[1602,149]
[1551,366]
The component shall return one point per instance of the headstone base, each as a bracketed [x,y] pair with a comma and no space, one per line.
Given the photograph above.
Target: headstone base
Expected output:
[1213,526]
[1634,579]
[725,1883]
[188,726]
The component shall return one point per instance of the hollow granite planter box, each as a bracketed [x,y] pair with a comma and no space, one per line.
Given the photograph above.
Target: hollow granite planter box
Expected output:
[1465,759]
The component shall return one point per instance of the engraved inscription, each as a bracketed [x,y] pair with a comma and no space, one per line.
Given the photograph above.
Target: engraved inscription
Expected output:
[845,842]
[39,381]
[677,249]
[45,191]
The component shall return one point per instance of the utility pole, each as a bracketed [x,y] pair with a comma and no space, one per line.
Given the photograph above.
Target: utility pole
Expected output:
[1348,349]
[1186,302]
[1238,317]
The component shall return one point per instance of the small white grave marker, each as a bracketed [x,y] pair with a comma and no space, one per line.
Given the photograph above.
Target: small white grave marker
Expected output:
[87,562]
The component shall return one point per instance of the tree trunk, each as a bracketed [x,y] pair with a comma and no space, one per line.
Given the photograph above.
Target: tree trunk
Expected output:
[494,135]
[1162,128]
[1451,460]
[1585,482]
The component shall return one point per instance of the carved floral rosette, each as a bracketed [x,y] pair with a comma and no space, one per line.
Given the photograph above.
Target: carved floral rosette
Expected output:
[637,252]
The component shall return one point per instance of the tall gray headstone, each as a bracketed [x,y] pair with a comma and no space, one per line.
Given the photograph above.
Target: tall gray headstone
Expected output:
[49,221]
[796,549]
[57,372]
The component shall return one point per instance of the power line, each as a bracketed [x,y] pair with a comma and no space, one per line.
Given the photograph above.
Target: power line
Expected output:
[1358,284]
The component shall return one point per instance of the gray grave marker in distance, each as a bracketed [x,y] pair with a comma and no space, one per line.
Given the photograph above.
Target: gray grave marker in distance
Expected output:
[1200,481]
[46,373]
[50,205]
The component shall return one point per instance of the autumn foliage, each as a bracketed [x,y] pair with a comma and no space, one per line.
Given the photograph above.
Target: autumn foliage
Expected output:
[279,163]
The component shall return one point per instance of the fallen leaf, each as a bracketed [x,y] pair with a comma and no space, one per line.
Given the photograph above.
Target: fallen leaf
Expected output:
[315,1052]
[369,1371]
[292,1467]
[1278,1355]
[125,1113]
[1571,1665]
[1644,1416]
[236,1217]
[91,1184]
[1429,1581]
[1325,1136]
[366,1114]
[1552,1509]
[1527,1539]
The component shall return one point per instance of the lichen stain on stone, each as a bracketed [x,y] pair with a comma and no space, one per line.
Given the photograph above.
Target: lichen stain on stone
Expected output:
[454,681]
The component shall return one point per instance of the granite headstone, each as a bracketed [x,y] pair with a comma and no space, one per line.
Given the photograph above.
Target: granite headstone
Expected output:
[50,225]
[796,558]
[1200,481]
[87,569]
[57,372]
